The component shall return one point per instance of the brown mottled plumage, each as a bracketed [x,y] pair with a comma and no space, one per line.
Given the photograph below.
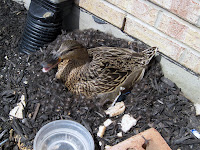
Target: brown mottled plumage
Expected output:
[100,71]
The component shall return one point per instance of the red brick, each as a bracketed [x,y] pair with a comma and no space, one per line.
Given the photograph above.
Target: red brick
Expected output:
[169,46]
[192,38]
[187,9]
[153,37]
[172,27]
[156,142]
[143,10]
[103,10]
[180,30]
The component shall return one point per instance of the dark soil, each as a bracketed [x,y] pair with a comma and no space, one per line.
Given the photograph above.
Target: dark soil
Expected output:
[158,101]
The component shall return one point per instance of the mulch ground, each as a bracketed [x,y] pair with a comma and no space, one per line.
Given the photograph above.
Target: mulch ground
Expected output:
[158,101]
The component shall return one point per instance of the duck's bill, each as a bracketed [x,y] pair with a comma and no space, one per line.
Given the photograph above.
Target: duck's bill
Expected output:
[47,66]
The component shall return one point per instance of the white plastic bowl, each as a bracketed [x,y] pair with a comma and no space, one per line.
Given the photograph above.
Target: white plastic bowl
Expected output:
[63,135]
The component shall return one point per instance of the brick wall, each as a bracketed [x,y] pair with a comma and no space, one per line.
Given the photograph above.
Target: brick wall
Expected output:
[172,25]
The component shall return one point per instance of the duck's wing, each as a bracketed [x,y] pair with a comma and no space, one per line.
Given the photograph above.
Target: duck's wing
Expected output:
[121,58]
[110,67]
[100,80]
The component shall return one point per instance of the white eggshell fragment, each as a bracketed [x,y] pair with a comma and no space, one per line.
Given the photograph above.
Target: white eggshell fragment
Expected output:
[115,110]
[119,134]
[17,111]
[101,131]
[107,122]
[197,107]
[107,147]
[127,122]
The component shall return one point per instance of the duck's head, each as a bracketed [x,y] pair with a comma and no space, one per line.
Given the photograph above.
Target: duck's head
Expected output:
[69,49]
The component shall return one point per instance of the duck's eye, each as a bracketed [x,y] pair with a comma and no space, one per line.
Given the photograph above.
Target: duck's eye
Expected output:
[65,52]
[71,50]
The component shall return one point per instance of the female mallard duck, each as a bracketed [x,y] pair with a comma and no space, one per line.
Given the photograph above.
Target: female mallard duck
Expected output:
[99,71]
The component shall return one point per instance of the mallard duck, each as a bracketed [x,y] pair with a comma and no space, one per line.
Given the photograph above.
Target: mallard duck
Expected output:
[100,71]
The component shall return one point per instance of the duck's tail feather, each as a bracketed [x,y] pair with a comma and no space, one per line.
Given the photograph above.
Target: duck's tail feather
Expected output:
[149,54]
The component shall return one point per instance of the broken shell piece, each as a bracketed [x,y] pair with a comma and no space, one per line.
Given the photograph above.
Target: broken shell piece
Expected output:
[100,143]
[101,131]
[128,122]
[23,99]
[115,110]
[107,122]
[197,107]
[17,111]
[25,82]
[107,147]
[119,134]
[6,57]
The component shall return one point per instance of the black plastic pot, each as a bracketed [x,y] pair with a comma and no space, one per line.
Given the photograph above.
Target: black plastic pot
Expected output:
[43,23]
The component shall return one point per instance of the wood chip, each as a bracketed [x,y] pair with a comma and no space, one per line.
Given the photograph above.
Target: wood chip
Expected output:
[36,111]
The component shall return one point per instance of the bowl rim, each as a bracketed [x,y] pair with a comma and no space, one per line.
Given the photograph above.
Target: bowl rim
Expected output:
[77,125]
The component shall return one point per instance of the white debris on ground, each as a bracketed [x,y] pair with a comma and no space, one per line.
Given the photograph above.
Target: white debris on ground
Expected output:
[128,122]
[102,128]
[196,133]
[115,110]
[107,147]
[119,134]
[101,131]
[107,122]
[6,57]
[25,82]
[197,107]
[17,111]
[100,143]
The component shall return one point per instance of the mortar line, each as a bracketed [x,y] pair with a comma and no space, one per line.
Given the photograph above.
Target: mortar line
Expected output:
[198,22]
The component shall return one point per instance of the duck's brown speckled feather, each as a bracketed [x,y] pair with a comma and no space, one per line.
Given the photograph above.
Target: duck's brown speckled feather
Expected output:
[108,69]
